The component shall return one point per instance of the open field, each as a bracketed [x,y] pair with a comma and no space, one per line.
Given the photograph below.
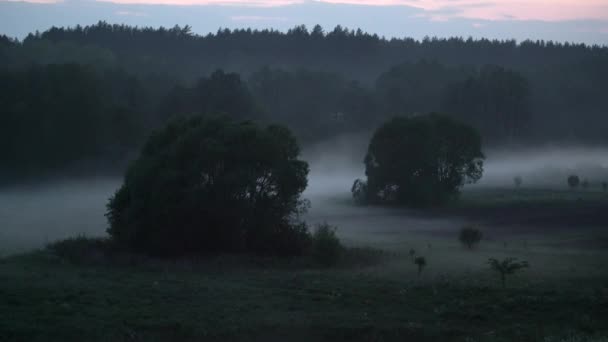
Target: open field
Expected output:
[457,297]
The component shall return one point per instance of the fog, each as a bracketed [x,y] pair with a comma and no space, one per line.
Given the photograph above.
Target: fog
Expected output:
[33,215]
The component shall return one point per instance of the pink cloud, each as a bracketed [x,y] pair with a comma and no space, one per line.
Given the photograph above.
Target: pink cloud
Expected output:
[245,3]
[36,1]
[255,18]
[437,10]
[546,10]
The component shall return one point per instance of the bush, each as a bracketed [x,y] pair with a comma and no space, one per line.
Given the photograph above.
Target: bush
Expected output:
[573,181]
[207,186]
[517,180]
[81,249]
[326,247]
[470,236]
[421,263]
[423,160]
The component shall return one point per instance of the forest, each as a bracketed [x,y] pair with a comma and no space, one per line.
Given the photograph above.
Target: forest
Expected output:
[96,92]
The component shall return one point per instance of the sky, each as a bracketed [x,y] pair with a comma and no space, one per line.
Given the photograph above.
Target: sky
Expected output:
[580,21]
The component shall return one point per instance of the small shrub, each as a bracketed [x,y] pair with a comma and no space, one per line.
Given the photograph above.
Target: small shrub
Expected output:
[81,249]
[506,267]
[326,247]
[573,181]
[517,181]
[412,254]
[585,184]
[470,236]
[421,263]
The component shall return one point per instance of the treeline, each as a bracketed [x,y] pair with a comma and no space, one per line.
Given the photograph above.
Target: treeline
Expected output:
[358,54]
[98,91]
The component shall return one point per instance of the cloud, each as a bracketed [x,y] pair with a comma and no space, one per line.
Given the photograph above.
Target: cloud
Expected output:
[132,13]
[256,19]
[543,10]
[34,1]
[434,10]
[240,3]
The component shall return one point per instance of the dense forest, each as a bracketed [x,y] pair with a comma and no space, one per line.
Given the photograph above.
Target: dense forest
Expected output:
[69,94]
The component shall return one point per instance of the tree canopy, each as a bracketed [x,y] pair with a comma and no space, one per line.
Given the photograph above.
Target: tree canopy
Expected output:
[212,185]
[422,160]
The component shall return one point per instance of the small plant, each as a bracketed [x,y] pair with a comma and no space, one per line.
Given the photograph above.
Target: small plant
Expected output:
[506,267]
[421,263]
[573,181]
[470,236]
[412,254]
[585,184]
[517,180]
[326,247]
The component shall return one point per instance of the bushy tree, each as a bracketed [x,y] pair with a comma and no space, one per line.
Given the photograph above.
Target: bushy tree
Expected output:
[423,160]
[506,267]
[212,185]
[573,181]
[470,236]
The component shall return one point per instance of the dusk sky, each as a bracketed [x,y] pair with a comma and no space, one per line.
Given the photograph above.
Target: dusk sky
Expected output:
[561,20]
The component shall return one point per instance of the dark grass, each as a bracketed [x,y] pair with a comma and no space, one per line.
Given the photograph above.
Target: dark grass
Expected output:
[86,290]
[46,298]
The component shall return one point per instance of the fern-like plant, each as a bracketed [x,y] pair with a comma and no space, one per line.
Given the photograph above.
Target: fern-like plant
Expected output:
[506,267]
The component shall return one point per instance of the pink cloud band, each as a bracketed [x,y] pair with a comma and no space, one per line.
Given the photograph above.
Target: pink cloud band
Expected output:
[546,10]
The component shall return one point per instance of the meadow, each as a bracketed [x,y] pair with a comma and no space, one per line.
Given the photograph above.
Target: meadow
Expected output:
[373,294]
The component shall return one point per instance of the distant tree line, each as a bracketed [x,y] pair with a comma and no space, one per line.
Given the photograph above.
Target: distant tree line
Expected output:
[74,93]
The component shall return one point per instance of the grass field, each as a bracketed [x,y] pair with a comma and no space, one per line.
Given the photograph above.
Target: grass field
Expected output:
[371,296]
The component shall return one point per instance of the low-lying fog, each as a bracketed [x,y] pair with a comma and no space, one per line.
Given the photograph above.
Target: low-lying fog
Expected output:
[32,215]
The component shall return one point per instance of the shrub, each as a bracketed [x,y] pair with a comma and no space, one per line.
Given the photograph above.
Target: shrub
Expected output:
[203,186]
[326,247]
[470,236]
[517,181]
[412,254]
[585,184]
[573,181]
[506,267]
[421,263]
[81,249]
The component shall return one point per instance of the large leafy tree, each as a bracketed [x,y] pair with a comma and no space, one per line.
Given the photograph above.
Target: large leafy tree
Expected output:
[422,160]
[211,185]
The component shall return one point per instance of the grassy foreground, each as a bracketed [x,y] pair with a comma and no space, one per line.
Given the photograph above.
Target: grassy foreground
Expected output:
[370,296]
[44,298]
